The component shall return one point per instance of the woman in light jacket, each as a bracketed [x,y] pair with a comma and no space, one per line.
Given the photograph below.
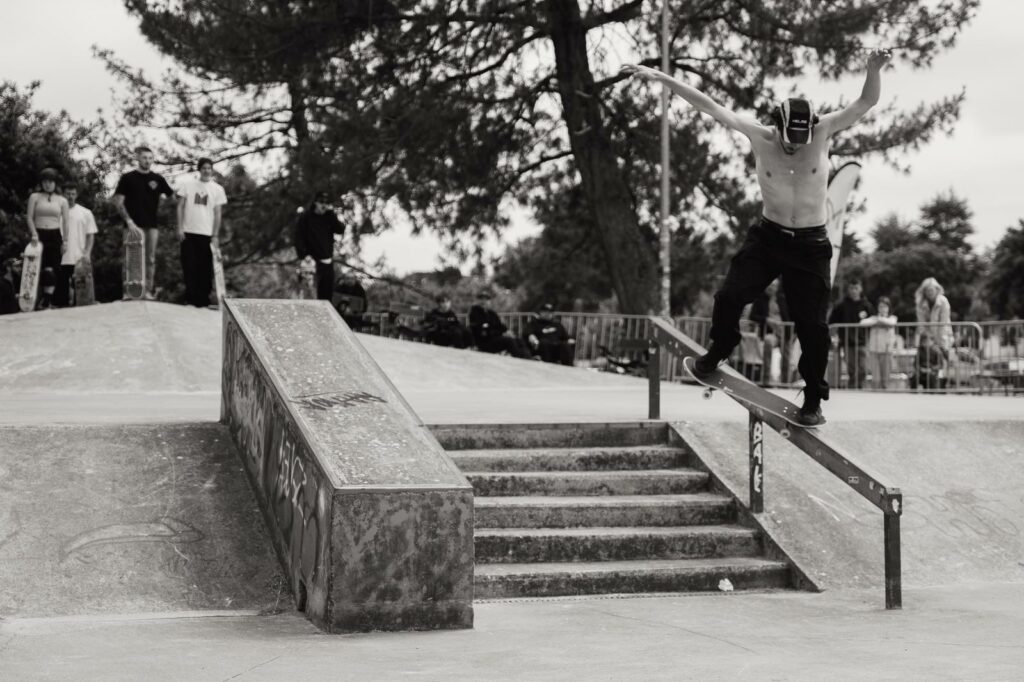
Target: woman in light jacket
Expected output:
[933,314]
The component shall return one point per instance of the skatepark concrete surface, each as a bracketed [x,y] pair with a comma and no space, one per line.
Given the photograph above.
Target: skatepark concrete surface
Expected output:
[970,632]
[148,362]
[89,508]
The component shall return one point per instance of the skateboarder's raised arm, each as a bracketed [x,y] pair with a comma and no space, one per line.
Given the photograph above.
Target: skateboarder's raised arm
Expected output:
[698,100]
[832,123]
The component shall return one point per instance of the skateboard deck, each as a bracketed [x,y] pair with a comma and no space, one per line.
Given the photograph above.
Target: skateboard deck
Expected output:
[307,278]
[747,393]
[134,267]
[85,291]
[31,266]
[218,274]
[839,188]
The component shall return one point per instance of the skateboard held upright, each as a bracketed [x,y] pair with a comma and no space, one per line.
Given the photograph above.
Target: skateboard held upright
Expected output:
[307,278]
[218,273]
[85,292]
[31,266]
[747,393]
[134,266]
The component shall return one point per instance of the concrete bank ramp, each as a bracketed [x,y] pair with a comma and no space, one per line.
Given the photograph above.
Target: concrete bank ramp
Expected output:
[963,492]
[130,519]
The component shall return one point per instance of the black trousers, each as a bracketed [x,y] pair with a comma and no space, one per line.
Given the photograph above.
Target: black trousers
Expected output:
[197,269]
[52,242]
[325,280]
[64,294]
[801,258]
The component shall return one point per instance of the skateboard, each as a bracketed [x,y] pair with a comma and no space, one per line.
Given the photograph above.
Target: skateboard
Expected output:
[839,188]
[31,266]
[747,393]
[85,292]
[134,267]
[218,273]
[307,278]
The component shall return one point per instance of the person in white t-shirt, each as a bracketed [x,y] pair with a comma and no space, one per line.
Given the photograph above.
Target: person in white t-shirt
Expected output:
[78,242]
[199,209]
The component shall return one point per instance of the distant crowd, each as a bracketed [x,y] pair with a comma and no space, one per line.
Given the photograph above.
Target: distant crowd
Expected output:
[66,232]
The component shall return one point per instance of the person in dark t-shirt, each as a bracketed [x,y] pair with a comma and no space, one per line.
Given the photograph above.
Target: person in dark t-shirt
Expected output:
[548,338]
[314,238]
[137,199]
[851,340]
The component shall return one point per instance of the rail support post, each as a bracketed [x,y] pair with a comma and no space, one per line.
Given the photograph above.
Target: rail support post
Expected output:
[653,381]
[893,569]
[756,464]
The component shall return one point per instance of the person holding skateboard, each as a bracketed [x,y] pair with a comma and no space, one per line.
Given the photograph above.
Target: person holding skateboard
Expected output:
[790,240]
[137,198]
[47,219]
[314,239]
[199,215]
[81,234]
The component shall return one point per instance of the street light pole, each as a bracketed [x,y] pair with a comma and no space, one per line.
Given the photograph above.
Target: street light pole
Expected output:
[665,235]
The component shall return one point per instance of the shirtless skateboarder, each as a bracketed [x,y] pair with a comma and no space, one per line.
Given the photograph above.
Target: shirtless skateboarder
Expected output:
[790,240]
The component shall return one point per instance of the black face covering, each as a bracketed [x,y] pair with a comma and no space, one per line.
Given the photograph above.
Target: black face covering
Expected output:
[796,120]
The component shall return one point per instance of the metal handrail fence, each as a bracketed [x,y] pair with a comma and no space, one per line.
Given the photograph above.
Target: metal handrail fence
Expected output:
[666,339]
[983,357]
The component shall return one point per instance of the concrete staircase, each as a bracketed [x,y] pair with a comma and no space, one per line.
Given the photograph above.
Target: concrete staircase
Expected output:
[571,509]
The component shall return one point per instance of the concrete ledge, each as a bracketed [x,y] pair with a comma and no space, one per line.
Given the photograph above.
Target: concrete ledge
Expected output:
[371,520]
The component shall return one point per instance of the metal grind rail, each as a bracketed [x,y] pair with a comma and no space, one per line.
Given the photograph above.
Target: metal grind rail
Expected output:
[663,337]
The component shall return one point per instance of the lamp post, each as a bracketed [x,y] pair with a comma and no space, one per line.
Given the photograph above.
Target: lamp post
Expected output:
[665,234]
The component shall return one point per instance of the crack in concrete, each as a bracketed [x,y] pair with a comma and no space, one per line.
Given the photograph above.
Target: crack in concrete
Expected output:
[258,665]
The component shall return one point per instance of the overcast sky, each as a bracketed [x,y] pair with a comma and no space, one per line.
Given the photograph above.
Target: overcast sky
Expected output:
[49,40]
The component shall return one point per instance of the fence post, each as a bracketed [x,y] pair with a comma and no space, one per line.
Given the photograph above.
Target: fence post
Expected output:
[756,464]
[893,568]
[653,381]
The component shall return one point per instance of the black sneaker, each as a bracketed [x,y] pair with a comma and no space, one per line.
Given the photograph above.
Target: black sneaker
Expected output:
[707,363]
[810,415]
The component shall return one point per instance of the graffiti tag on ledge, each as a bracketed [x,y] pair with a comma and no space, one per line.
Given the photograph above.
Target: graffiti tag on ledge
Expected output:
[343,400]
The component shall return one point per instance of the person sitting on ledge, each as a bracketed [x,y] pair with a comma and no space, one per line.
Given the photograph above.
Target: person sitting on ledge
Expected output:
[489,332]
[548,339]
[442,327]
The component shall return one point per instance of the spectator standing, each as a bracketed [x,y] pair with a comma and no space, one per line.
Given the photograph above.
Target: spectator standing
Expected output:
[137,198]
[548,339]
[881,338]
[314,238]
[200,203]
[933,313]
[81,234]
[852,340]
[442,327]
[489,333]
[930,363]
[47,218]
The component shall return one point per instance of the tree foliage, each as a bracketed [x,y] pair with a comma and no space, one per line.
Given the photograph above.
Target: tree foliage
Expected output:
[906,253]
[1005,286]
[441,113]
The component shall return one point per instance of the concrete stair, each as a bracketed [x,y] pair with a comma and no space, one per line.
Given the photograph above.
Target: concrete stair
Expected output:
[575,509]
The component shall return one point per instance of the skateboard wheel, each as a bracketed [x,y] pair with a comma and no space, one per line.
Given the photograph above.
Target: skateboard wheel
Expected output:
[784,433]
[707,394]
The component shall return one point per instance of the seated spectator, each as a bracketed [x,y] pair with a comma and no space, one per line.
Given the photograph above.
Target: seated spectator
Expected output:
[489,333]
[929,365]
[442,327]
[350,301]
[548,339]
